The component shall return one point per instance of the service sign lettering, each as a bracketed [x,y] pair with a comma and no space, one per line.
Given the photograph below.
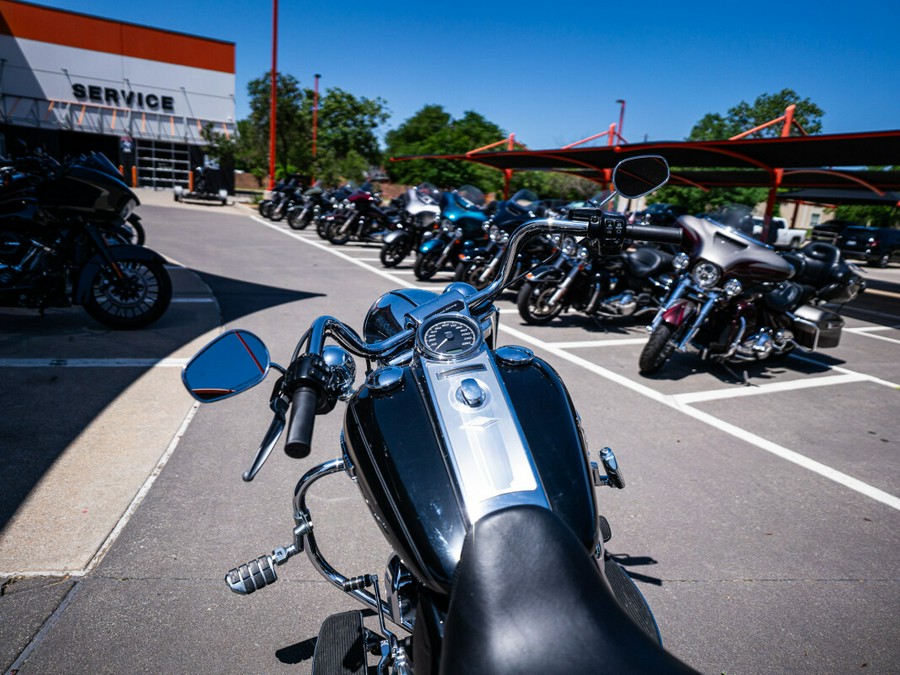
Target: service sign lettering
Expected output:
[122,98]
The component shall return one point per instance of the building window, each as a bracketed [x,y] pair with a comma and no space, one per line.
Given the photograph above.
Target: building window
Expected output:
[814,220]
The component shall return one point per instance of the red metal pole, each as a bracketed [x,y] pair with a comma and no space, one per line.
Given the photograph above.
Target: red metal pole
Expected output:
[779,174]
[272,94]
[507,173]
[315,129]
[621,118]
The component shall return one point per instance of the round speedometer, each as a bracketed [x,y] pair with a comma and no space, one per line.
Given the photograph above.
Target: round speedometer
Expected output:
[449,337]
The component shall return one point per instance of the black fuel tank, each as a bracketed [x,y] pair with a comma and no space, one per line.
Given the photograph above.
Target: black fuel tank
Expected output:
[403,466]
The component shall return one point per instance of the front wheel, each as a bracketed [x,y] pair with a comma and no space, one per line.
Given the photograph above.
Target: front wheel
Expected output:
[426,264]
[297,218]
[470,272]
[338,233]
[393,253]
[534,305]
[133,299]
[658,349]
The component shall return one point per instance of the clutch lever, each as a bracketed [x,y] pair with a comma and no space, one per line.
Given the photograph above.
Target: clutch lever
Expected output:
[279,405]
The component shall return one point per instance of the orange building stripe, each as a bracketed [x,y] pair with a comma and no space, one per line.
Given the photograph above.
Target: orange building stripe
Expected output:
[81,31]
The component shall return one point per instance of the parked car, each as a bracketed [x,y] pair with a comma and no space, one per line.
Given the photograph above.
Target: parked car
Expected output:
[829,231]
[876,245]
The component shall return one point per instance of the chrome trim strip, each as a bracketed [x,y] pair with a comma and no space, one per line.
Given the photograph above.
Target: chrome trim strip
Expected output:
[488,453]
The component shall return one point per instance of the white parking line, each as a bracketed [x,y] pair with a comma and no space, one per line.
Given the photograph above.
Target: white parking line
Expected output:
[775,387]
[668,400]
[868,334]
[93,363]
[617,342]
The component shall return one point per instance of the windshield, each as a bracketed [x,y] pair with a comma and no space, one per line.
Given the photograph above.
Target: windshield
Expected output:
[524,198]
[471,194]
[427,192]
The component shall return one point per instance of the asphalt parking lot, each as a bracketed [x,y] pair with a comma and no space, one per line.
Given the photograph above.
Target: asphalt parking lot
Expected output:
[760,520]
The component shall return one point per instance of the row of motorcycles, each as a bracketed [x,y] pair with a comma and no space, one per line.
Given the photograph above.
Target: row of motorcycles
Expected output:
[721,294]
[69,236]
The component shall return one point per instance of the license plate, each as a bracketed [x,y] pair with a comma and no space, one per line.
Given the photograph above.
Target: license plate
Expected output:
[851,242]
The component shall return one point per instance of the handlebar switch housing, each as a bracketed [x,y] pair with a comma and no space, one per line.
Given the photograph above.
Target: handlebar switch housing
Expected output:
[606,230]
[310,370]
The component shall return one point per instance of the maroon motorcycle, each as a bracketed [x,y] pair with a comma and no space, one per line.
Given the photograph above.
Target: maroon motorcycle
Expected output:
[736,300]
[365,220]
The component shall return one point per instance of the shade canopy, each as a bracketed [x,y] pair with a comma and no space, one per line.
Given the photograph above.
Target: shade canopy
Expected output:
[824,161]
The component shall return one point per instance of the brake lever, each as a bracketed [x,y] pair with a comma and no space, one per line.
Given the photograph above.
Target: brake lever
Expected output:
[279,405]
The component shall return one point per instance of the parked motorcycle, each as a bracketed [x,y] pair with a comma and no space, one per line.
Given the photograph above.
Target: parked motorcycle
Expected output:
[601,286]
[366,221]
[736,300]
[462,218]
[65,238]
[313,203]
[479,264]
[473,461]
[282,191]
[419,212]
[338,206]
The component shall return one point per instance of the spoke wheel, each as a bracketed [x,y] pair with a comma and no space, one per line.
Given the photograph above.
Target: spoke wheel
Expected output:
[392,254]
[426,265]
[533,303]
[137,298]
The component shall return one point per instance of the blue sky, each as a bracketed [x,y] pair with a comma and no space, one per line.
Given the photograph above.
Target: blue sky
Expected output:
[551,72]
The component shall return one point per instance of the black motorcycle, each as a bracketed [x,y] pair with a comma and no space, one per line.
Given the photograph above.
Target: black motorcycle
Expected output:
[314,201]
[601,286]
[474,463]
[65,238]
[479,265]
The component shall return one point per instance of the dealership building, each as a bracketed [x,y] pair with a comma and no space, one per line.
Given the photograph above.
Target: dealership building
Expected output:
[72,83]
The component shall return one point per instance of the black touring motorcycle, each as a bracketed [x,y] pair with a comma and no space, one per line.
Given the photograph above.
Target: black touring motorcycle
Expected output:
[474,463]
[66,238]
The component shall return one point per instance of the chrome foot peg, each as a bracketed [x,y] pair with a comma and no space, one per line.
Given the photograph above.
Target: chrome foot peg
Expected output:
[258,573]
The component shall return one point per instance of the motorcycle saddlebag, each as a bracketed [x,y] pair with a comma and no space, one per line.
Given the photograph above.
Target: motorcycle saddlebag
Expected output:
[816,328]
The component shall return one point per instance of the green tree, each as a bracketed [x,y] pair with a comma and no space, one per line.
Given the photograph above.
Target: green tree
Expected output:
[433,131]
[346,134]
[740,118]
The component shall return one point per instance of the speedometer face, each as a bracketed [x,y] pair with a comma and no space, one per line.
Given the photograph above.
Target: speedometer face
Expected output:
[449,337]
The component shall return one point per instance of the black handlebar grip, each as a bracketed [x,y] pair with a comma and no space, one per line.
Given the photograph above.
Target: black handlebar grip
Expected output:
[304,402]
[658,235]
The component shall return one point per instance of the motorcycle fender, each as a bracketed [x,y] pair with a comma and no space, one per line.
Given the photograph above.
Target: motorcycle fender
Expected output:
[679,313]
[430,245]
[395,235]
[122,252]
[545,274]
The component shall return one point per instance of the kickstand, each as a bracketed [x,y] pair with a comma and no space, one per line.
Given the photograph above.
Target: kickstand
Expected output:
[743,378]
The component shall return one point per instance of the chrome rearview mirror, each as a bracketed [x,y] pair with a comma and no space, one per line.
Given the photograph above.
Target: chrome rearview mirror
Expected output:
[637,176]
[232,363]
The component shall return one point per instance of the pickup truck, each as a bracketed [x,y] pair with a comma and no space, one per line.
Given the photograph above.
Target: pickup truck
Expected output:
[783,236]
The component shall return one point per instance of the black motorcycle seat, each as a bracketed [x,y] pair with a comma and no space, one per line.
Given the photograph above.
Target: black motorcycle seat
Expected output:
[527,598]
[646,261]
[815,263]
